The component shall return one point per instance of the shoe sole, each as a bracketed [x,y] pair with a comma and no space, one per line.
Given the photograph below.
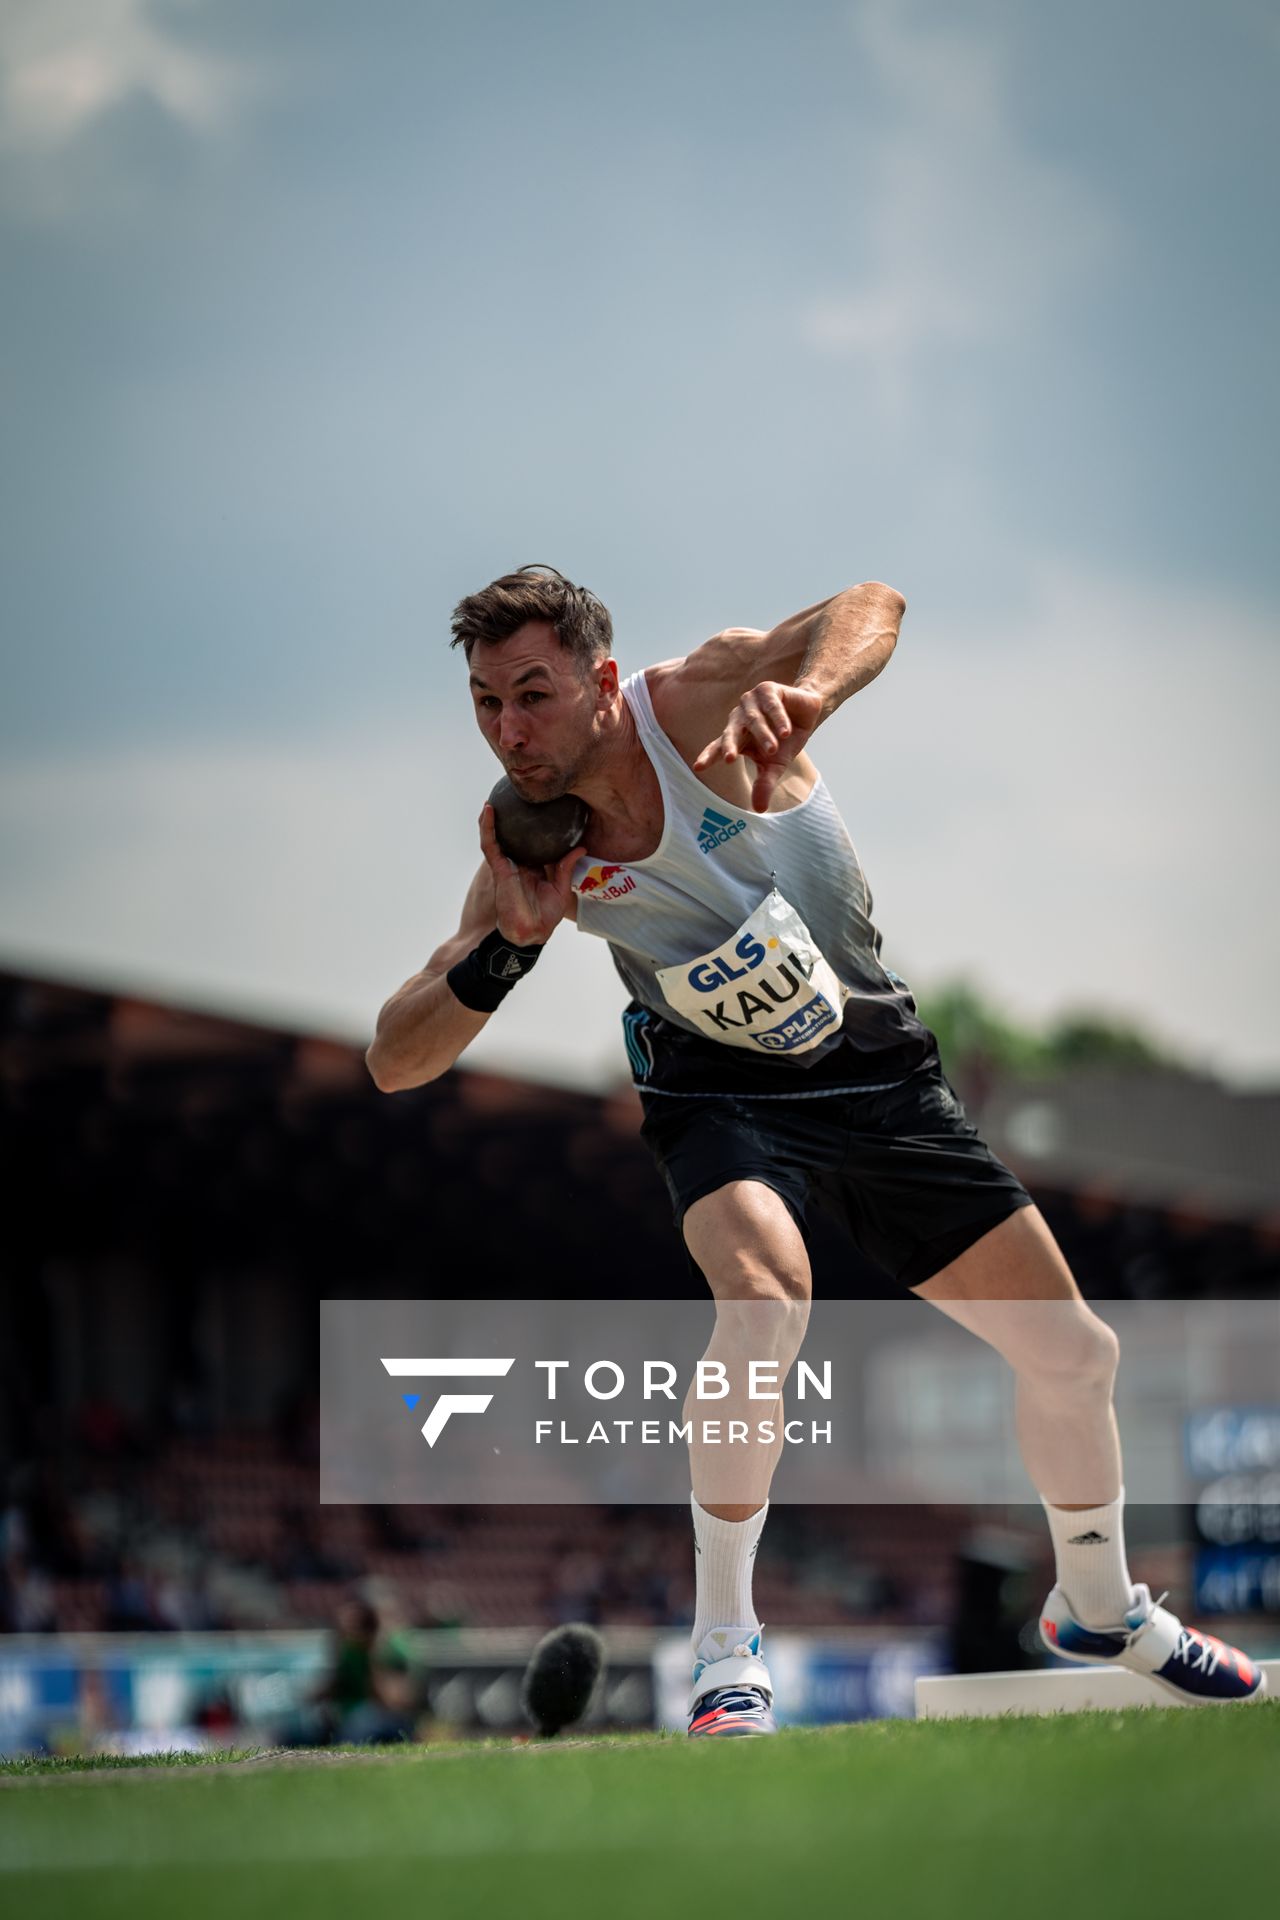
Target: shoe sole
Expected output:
[728,1729]
[735,1733]
[1207,1700]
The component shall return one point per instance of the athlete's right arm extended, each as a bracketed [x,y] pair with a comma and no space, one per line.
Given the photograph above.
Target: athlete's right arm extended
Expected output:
[424,1026]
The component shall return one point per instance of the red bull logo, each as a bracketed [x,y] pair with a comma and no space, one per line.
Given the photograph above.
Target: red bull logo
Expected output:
[600,883]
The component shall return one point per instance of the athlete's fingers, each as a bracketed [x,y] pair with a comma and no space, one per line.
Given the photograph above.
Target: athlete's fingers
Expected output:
[560,874]
[499,864]
[488,836]
[746,732]
[761,742]
[766,780]
[733,741]
[775,707]
[753,730]
[757,727]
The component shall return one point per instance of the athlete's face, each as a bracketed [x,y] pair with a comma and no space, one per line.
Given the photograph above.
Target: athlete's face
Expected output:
[536,709]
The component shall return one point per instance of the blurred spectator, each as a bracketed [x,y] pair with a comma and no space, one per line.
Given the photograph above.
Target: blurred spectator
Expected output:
[444,1605]
[184,1603]
[302,1553]
[14,1538]
[636,1586]
[576,1589]
[130,1601]
[26,1598]
[370,1693]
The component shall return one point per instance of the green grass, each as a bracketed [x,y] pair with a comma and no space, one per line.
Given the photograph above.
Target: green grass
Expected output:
[27,1764]
[1074,1818]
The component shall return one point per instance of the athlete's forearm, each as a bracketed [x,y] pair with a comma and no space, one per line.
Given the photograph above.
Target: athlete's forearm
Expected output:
[850,640]
[421,1031]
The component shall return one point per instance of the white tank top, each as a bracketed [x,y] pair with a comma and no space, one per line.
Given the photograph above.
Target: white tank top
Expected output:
[714,868]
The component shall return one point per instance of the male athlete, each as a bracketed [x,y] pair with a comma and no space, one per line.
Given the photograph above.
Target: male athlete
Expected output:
[778,1063]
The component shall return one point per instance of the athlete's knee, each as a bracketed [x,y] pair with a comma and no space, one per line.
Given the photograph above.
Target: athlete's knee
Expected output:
[762,1305]
[1069,1350]
[757,1275]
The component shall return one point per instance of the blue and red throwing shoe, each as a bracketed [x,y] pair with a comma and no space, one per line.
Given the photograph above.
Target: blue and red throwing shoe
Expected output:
[1197,1668]
[732,1692]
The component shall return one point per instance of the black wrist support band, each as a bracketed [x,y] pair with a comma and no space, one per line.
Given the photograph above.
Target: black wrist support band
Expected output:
[484,979]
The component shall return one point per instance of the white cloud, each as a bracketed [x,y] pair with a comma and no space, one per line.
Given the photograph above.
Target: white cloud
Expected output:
[63,63]
[971,234]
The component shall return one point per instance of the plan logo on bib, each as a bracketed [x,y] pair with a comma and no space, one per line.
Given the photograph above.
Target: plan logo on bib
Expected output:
[716,828]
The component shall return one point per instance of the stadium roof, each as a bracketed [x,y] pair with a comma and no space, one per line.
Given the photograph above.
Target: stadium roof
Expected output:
[1172,1140]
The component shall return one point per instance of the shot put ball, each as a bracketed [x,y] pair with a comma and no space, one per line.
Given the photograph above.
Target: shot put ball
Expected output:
[536,833]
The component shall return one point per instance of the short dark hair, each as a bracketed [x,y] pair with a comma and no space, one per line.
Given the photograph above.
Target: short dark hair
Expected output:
[535,592]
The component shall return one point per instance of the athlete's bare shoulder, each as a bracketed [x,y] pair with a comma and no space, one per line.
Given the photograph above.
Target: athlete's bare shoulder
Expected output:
[693,697]
[664,684]
[699,688]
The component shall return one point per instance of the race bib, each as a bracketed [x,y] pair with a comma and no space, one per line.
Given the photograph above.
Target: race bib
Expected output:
[767,987]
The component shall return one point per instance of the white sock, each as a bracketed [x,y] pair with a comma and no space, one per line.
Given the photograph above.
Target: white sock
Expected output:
[1088,1544]
[724,1554]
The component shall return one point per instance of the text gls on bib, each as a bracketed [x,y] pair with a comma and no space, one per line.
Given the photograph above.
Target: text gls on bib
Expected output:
[767,987]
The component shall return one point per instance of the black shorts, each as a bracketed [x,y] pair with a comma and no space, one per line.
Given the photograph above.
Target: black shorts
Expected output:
[903,1170]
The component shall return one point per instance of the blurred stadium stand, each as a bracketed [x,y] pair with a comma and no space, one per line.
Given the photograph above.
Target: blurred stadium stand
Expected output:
[185,1188]
[1199,1155]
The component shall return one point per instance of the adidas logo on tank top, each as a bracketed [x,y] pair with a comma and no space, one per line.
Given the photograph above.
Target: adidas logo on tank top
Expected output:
[716,828]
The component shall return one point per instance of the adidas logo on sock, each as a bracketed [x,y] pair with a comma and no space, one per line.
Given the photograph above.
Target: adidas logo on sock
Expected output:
[1090,1539]
[716,828]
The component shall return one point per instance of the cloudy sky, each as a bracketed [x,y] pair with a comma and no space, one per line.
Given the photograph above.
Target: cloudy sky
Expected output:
[316,315]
